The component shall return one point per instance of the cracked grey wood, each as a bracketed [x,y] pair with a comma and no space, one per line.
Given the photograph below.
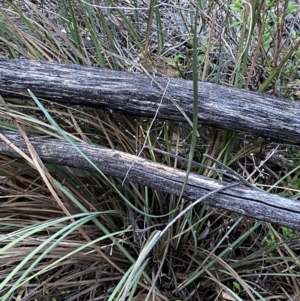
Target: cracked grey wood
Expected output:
[219,106]
[240,199]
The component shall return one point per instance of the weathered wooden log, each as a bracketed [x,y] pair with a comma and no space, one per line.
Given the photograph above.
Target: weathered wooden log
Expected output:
[241,199]
[222,107]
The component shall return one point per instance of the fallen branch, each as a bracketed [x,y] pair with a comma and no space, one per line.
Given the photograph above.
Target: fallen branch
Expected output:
[240,199]
[222,107]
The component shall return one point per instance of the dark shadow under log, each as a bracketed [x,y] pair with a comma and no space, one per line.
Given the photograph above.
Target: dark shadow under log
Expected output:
[241,199]
[219,106]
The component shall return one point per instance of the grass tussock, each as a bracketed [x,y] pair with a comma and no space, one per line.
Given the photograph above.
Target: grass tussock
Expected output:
[69,234]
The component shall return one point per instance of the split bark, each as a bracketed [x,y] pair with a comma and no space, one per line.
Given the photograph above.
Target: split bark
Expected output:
[240,199]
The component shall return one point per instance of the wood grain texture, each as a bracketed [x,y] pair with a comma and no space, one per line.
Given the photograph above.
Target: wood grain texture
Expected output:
[219,106]
[241,199]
